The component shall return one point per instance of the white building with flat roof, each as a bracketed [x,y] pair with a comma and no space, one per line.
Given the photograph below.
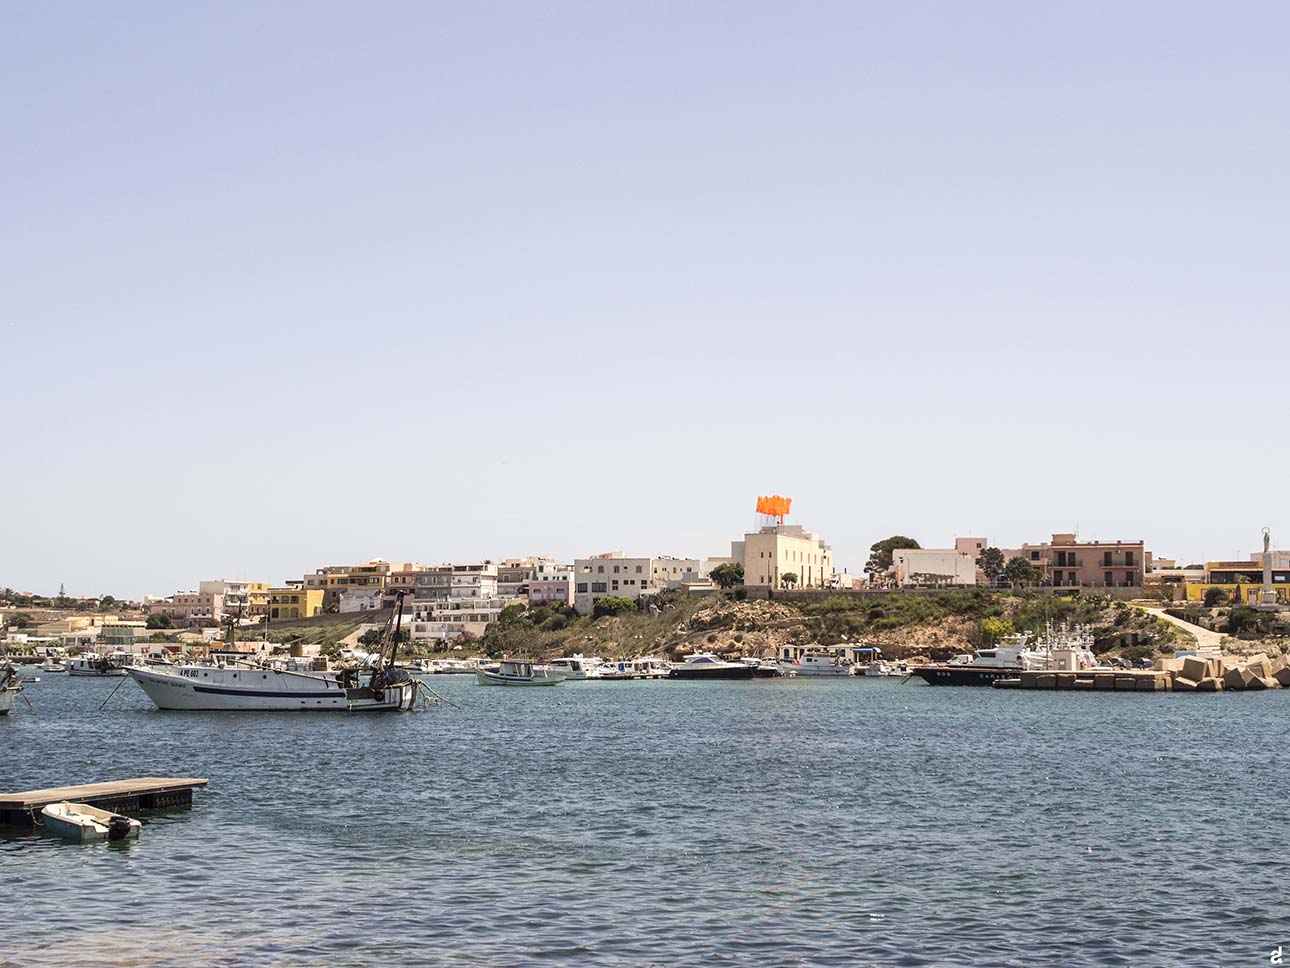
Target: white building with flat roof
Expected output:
[614,574]
[452,617]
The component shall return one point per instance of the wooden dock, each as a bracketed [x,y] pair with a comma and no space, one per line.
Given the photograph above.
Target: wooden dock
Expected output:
[119,796]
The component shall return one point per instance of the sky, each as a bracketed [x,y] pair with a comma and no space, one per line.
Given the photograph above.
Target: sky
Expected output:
[296,284]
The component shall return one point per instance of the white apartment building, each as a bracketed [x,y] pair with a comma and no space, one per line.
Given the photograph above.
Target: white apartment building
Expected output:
[450,618]
[933,567]
[614,574]
[442,582]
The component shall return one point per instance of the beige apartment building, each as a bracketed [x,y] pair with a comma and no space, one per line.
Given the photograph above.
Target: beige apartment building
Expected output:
[782,549]
[1067,562]
[335,579]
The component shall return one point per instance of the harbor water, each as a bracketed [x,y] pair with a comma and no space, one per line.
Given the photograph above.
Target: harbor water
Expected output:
[830,822]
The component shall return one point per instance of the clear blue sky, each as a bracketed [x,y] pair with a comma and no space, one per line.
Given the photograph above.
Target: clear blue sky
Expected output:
[306,283]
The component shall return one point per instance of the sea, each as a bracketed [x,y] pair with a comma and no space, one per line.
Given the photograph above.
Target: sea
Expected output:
[854,822]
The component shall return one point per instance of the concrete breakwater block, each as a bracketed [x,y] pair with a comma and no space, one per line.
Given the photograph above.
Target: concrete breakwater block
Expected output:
[1208,685]
[1046,681]
[1183,684]
[1006,683]
[1196,669]
[1282,675]
[1104,681]
[1083,683]
[1234,679]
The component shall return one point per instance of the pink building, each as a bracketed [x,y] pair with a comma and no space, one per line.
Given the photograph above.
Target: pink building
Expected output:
[551,584]
[186,606]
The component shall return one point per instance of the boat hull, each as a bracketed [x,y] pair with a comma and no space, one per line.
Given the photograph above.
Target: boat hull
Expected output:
[83,824]
[485,678]
[723,672]
[7,697]
[964,675]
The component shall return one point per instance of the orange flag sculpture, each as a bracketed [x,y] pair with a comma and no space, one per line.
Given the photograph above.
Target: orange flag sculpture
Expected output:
[775,506]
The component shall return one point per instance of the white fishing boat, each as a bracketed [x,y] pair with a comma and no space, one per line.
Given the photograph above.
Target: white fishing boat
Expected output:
[377,686]
[85,824]
[820,665]
[512,672]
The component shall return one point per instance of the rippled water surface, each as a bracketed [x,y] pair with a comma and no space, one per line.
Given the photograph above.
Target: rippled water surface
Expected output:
[858,822]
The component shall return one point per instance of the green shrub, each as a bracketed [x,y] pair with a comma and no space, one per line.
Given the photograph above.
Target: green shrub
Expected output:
[612,605]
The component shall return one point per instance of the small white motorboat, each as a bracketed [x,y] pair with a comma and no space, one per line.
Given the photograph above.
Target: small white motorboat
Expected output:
[515,673]
[85,824]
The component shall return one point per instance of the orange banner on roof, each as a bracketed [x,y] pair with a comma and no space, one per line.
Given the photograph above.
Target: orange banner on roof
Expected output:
[774,505]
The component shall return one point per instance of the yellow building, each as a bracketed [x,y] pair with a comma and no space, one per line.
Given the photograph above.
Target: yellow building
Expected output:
[292,602]
[1245,592]
[784,549]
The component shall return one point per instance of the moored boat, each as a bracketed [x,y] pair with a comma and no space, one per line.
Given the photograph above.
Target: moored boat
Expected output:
[1066,650]
[90,664]
[820,665]
[378,686]
[514,672]
[576,667]
[705,665]
[85,824]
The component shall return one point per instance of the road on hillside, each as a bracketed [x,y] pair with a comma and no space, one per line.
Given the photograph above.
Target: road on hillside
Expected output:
[1204,637]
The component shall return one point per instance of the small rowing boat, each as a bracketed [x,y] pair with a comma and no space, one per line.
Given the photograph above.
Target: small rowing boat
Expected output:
[86,824]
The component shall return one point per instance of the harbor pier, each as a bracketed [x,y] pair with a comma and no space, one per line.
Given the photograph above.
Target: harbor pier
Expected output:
[119,796]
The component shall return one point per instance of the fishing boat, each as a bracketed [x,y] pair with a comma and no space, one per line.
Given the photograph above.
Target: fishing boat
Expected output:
[9,689]
[515,672]
[85,824]
[89,664]
[377,686]
[820,665]
[705,665]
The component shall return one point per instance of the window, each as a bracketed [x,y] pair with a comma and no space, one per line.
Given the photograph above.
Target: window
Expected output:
[639,569]
[1106,557]
[1109,579]
[1034,556]
[582,586]
[598,586]
[1128,558]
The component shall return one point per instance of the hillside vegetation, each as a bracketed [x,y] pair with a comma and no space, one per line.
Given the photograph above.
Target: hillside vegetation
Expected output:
[936,625]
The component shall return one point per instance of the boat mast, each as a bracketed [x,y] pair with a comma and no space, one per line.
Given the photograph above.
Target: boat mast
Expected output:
[392,629]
